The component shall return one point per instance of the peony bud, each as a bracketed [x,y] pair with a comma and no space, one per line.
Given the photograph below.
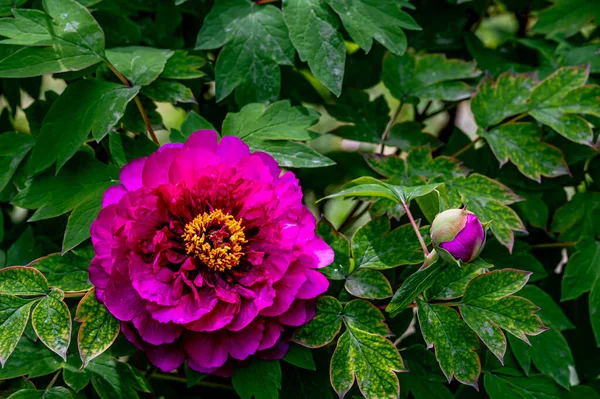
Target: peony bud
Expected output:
[457,234]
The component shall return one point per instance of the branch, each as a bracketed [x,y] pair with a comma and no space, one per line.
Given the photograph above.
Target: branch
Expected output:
[415,227]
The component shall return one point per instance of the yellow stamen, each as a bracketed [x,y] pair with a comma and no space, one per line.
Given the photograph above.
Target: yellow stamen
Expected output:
[216,239]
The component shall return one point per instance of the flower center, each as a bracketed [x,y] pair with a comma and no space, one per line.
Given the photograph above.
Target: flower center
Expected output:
[216,239]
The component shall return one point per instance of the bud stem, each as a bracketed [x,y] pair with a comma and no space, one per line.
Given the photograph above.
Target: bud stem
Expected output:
[415,227]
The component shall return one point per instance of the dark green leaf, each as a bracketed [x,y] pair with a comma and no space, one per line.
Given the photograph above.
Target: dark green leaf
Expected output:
[369,284]
[13,148]
[455,344]
[366,20]
[50,393]
[69,272]
[550,313]
[429,76]
[140,65]
[566,17]
[113,379]
[453,281]
[534,387]
[314,33]
[290,154]
[341,266]
[170,91]
[300,356]
[32,359]
[14,313]
[323,328]
[182,65]
[579,218]
[80,220]
[98,330]
[52,322]
[85,105]
[255,41]
[261,380]
[21,280]
[414,286]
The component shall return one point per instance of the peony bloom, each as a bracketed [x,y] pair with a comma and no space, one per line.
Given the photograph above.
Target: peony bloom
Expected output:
[458,233]
[205,252]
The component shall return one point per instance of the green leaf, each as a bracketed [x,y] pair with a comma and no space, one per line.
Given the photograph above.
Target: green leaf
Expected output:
[30,358]
[496,101]
[50,393]
[366,20]
[424,379]
[85,105]
[582,275]
[60,44]
[261,380]
[255,41]
[314,33]
[169,91]
[533,387]
[98,330]
[80,220]
[52,322]
[414,286]
[192,123]
[579,218]
[370,359]
[300,356]
[14,313]
[182,65]
[13,148]
[82,179]
[409,135]
[74,376]
[368,284]
[550,353]
[487,307]
[290,154]
[566,17]
[372,250]
[20,280]
[365,316]
[193,377]
[455,344]
[341,265]
[140,65]
[453,281]
[69,272]
[113,379]
[520,143]
[324,327]
[550,313]
[428,76]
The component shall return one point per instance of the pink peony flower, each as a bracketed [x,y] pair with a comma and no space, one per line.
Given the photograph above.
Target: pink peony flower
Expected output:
[457,234]
[205,252]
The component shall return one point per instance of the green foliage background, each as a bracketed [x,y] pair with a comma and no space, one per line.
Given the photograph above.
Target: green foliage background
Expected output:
[379,106]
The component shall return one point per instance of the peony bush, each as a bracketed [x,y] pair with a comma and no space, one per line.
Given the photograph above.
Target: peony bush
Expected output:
[294,199]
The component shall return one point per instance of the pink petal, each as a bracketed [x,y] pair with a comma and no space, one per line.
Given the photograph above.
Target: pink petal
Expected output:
[113,195]
[206,350]
[231,149]
[156,169]
[316,284]
[203,139]
[131,174]
[154,332]
[245,343]
[167,357]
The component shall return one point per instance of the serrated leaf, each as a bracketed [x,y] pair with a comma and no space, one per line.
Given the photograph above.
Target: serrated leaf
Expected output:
[314,33]
[414,285]
[455,344]
[52,322]
[368,284]
[21,280]
[300,356]
[372,250]
[140,65]
[80,220]
[50,393]
[340,267]
[60,44]
[52,195]
[566,16]
[579,218]
[366,20]
[521,144]
[68,272]
[453,281]
[261,380]
[14,313]
[487,307]
[256,42]
[428,76]
[13,149]
[550,313]
[290,154]
[98,330]
[369,358]
[323,328]
[533,387]
[182,65]
[85,105]
[113,379]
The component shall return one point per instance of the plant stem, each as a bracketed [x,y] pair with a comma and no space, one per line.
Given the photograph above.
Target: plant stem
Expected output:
[447,108]
[53,380]
[388,127]
[78,294]
[415,227]
[138,102]
[176,378]
[465,148]
[555,245]
[516,118]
